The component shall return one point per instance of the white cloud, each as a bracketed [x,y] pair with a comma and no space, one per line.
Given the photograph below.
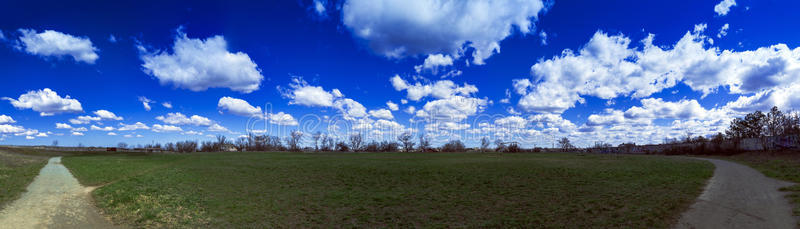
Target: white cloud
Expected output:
[167,105]
[54,43]
[381,114]
[454,108]
[440,89]
[723,31]
[5,119]
[104,114]
[198,64]
[80,129]
[319,8]
[403,101]
[543,37]
[135,126]
[238,107]
[47,102]
[111,134]
[107,128]
[431,27]
[410,110]
[165,128]
[192,132]
[392,106]
[29,137]
[722,8]
[63,126]
[607,68]
[77,134]
[433,62]
[180,119]
[217,128]
[83,119]
[145,102]
[657,108]
[350,108]
[303,94]
[10,129]
[42,135]
[282,119]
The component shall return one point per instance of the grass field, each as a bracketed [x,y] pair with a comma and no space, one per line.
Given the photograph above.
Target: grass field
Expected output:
[781,166]
[391,189]
[16,172]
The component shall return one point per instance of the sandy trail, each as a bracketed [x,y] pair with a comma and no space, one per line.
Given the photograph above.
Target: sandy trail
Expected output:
[54,199]
[738,196]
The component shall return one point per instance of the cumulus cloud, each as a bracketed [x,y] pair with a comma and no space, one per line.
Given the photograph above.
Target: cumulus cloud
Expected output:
[63,126]
[607,67]
[381,114]
[722,8]
[10,129]
[282,119]
[217,128]
[47,102]
[454,108]
[350,109]
[444,27]
[199,64]
[433,62]
[77,134]
[392,106]
[5,119]
[319,8]
[723,31]
[57,44]
[135,126]
[180,119]
[165,128]
[238,107]
[107,128]
[167,105]
[440,89]
[84,119]
[104,114]
[145,102]
[301,93]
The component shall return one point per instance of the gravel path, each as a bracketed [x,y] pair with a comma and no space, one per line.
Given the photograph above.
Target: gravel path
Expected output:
[54,199]
[738,196]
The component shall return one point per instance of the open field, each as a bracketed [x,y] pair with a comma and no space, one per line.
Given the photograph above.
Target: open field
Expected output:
[392,189]
[16,172]
[780,166]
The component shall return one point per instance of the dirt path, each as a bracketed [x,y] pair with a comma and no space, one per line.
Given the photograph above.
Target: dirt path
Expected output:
[738,196]
[54,199]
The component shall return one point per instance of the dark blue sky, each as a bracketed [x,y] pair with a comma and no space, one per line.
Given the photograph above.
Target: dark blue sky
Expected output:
[295,46]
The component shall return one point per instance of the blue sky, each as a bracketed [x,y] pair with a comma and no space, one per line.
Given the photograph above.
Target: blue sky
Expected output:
[524,70]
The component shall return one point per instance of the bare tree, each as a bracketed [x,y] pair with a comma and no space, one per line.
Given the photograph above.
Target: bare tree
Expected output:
[240,144]
[501,146]
[55,142]
[406,140]
[222,141]
[294,140]
[122,145]
[424,143]
[316,138]
[355,141]
[565,144]
[485,144]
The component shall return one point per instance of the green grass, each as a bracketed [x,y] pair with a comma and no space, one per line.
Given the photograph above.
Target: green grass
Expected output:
[16,172]
[781,166]
[392,189]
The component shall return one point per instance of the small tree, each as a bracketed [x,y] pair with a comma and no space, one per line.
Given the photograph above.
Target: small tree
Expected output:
[485,144]
[565,144]
[424,143]
[454,146]
[316,138]
[500,145]
[294,140]
[355,141]
[406,140]
[122,145]
[55,142]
